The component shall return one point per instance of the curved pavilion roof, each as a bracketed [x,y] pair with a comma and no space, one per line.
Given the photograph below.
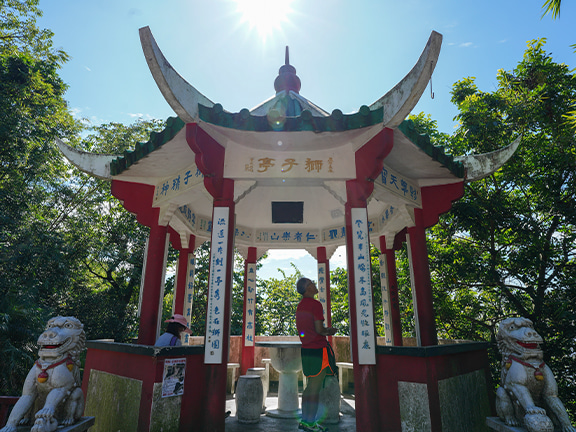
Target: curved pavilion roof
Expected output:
[286,149]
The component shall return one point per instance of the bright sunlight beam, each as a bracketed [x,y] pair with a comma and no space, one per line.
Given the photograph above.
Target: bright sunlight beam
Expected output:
[265,16]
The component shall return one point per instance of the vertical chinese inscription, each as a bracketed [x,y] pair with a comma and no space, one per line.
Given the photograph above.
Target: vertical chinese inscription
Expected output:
[189,292]
[217,287]
[386,306]
[363,292]
[250,305]
[322,292]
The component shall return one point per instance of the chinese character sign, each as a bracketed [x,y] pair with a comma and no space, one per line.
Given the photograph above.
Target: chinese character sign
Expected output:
[363,292]
[250,305]
[400,185]
[285,237]
[333,163]
[177,184]
[386,306]
[322,291]
[217,287]
[189,291]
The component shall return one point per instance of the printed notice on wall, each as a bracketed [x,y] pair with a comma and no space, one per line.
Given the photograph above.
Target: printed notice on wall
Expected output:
[173,378]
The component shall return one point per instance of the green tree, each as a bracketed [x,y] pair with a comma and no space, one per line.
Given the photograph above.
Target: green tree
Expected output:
[34,257]
[552,7]
[276,304]
[508,247]
[108,242]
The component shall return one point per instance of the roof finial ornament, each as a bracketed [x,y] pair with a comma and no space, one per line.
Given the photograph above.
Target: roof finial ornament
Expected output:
[287,79]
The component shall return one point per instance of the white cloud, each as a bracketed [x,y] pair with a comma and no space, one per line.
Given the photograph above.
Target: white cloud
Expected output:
[140,116]
[284,254]
[466,44]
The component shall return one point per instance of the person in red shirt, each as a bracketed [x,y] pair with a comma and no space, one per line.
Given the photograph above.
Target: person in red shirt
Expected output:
[315,351]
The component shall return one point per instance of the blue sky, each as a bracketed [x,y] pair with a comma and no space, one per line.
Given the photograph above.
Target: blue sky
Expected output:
[346,53]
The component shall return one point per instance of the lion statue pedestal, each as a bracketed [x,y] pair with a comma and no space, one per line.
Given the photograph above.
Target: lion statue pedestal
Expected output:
[527,398]
[52,394]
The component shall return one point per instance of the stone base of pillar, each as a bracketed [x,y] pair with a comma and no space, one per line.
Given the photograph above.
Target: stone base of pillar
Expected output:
[329,407]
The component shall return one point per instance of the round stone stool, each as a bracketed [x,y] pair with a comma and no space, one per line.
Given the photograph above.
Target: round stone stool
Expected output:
[261,372]
[329,403]
[249,399]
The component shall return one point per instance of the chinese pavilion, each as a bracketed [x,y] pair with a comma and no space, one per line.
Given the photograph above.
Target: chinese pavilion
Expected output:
[287,174]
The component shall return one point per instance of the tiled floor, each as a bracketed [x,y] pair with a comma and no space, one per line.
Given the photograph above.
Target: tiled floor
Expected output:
[269,424]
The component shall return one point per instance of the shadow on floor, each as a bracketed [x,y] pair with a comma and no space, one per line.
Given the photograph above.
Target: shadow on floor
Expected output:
[270,424]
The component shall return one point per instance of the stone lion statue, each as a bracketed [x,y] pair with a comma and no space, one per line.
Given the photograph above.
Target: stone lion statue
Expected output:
[52,386]
[528,394]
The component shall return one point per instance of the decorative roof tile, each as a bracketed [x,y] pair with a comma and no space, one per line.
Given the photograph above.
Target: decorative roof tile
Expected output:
[274,121]
[157,139]
[435,152]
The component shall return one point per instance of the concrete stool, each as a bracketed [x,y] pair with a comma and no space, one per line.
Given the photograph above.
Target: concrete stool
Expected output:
[231,377]
[261,372]
[329,403]
[249,399]
[266,363]
[345,370]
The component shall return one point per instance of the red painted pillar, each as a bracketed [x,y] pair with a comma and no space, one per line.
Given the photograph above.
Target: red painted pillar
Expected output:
[368,161]
[365,375]
[421,283]
[393,290]
[216,369]
[151,291]
[249,314]
[209,159]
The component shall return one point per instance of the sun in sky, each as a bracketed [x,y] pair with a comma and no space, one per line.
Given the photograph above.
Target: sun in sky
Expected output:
[264,16]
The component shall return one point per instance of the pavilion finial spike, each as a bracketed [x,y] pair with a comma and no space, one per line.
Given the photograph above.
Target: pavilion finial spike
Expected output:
[287,80]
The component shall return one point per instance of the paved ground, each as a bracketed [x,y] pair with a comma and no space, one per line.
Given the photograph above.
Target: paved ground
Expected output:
[270,424]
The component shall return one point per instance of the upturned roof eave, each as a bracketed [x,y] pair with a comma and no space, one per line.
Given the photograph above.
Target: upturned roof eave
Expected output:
[303,123]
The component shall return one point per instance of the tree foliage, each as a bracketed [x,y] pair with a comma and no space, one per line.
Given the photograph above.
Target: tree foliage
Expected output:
[34,257]
[508,247]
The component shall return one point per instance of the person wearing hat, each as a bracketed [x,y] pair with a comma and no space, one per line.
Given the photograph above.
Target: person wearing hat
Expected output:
[317,355]
[177,324]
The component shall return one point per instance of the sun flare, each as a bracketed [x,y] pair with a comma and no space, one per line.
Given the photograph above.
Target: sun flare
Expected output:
[264,16]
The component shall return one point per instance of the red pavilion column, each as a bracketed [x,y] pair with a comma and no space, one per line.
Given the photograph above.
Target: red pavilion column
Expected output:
[249,314]
[152,288]
[137,198]
[368,160]
[210,161]
[421,282]
[392,288]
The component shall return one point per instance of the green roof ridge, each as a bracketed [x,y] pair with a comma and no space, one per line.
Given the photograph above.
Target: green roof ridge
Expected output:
[435,152]
[335,122]
[141,150]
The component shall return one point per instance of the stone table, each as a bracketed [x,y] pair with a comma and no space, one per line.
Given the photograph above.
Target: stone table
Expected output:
[286,359]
